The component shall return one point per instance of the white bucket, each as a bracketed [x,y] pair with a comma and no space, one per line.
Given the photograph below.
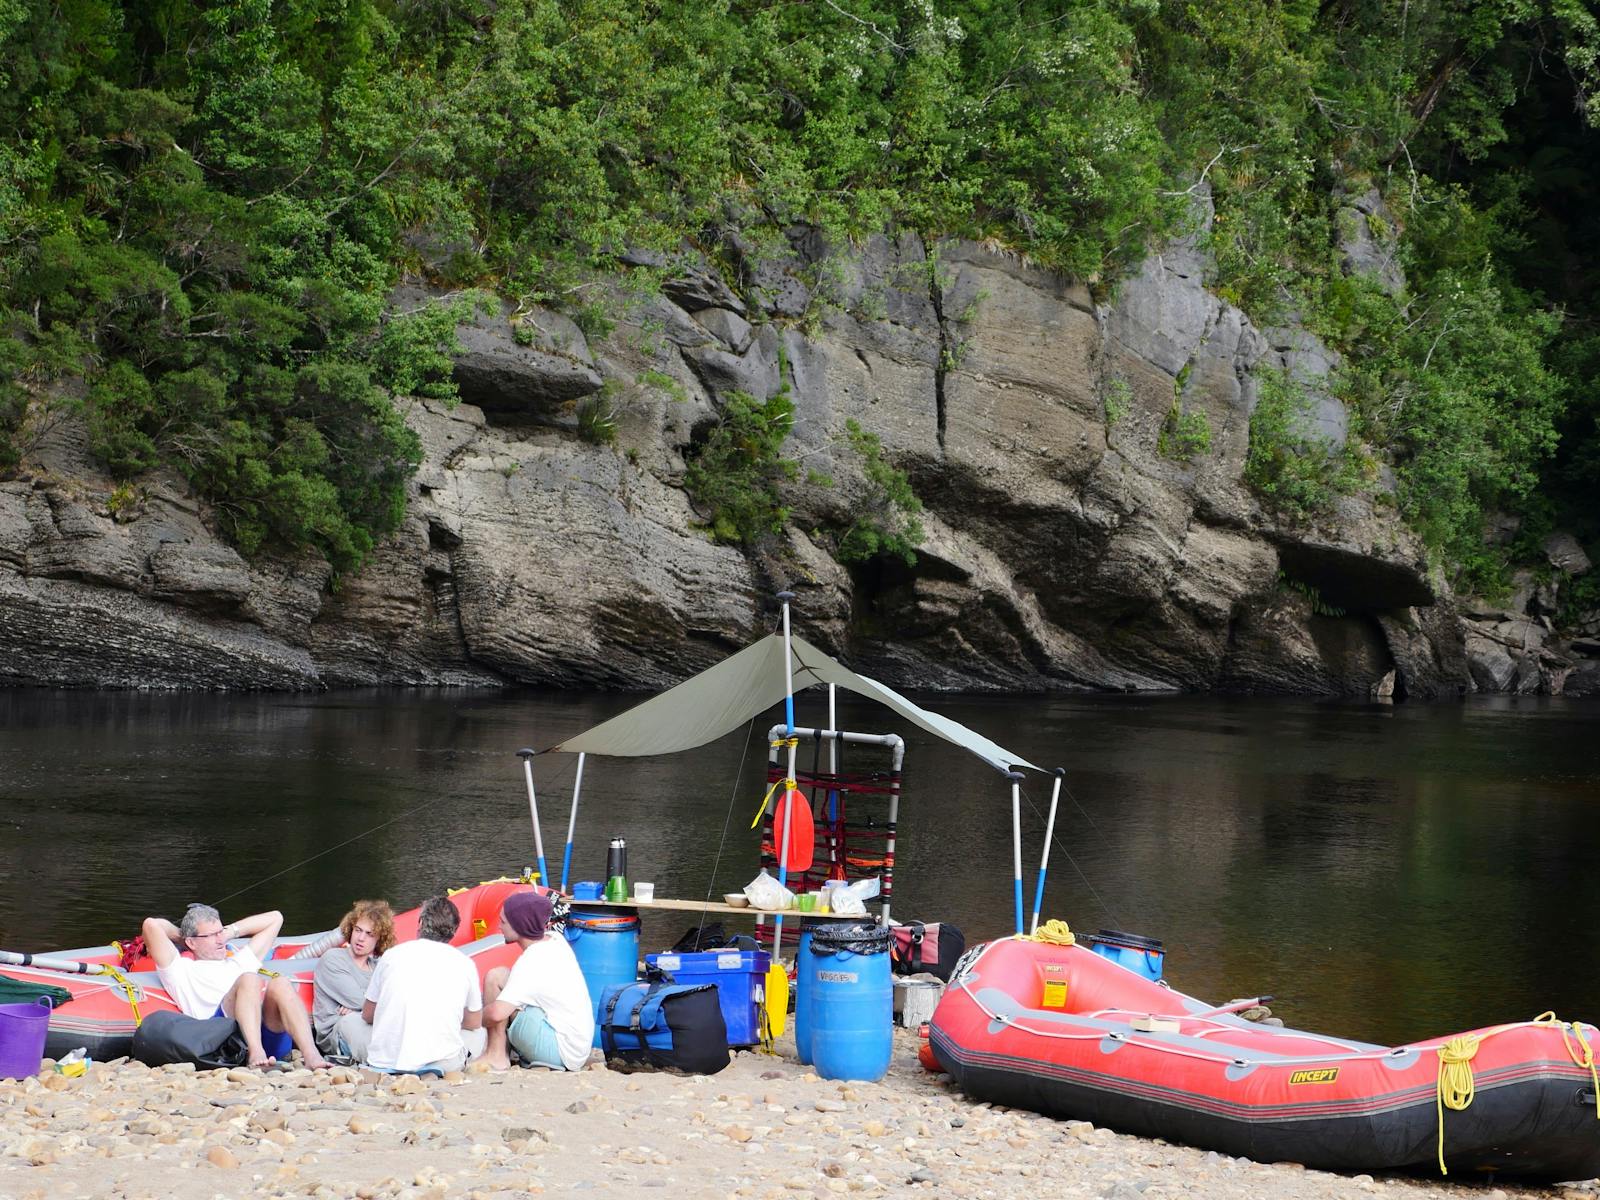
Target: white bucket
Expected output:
[915,997]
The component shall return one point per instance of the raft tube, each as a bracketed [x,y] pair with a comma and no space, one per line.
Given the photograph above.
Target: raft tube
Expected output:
[101,1018]
[1064,1032]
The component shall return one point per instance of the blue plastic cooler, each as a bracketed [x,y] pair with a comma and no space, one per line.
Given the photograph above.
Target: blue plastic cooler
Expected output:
[739,977]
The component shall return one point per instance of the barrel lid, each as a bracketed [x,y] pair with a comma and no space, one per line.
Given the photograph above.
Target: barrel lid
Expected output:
[1133,941]
[858,939]
[585,921]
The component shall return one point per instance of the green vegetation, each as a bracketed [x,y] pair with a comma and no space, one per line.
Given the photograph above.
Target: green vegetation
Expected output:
[204,208]
[597,418]
[1183,435]
[736,479]
[1312,593]
[1118,399]
[886,520]
[1295,473]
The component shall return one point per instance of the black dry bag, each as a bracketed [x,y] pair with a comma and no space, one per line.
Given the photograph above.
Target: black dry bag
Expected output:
[671,1026]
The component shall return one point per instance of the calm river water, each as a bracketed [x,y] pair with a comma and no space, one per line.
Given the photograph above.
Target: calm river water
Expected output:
[1387,873]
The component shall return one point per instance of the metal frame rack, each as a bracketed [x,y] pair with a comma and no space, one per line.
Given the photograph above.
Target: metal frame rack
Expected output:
[855,836]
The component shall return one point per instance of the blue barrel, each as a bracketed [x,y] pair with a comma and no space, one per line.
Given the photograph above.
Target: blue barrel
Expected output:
[1141,955]
[851,1002]
[804,981]
[608,952]
[802,996]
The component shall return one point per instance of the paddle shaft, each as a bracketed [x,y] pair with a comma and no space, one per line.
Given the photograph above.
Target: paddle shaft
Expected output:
[44,962]
[1231,1007]
[1044,859]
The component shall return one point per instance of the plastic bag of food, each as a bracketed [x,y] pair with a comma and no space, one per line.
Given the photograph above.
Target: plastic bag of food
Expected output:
[850,900]
[766,892]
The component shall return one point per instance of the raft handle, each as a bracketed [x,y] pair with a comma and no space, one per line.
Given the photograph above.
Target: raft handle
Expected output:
[1584,1097]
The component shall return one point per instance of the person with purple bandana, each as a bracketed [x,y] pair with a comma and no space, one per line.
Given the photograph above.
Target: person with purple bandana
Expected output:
[540,1007]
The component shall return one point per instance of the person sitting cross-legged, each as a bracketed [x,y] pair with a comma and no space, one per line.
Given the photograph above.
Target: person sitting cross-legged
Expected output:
[424,1008]
[224,981]
[540,1007]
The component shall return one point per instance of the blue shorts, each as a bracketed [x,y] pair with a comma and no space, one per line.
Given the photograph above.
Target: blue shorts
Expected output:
[532,1037]
[273,1044]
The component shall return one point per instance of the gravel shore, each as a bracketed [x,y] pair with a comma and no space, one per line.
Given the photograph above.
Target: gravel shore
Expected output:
[765,1127]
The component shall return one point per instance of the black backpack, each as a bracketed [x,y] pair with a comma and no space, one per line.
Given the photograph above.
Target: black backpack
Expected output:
[671,1026]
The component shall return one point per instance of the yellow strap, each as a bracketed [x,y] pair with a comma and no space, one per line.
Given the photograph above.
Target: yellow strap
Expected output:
[128,991]
[761,812]
[1054,932]
[1456,1086]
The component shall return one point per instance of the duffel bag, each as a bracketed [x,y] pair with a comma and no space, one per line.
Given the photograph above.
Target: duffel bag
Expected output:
[673,1026]
[934,948]
[169,1037]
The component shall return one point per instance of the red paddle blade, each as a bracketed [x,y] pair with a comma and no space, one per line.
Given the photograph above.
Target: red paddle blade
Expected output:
[802,830]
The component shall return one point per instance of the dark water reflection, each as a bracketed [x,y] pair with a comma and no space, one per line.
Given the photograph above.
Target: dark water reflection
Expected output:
[1387,873]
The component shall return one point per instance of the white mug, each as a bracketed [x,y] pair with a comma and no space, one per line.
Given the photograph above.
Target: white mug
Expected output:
[644,892]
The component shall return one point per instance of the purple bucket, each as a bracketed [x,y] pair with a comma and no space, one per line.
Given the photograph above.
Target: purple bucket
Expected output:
[23,1028]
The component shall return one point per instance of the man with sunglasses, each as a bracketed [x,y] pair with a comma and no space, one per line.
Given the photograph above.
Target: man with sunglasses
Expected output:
[224,981]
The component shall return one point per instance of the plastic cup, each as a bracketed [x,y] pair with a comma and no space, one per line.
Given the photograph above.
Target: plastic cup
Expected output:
[805,902]
[644,892]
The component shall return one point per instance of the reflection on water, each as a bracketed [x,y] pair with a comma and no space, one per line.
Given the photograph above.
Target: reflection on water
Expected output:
[1387,873]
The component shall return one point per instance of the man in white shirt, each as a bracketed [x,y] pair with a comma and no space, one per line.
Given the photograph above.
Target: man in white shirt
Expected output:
[223,981]
[424,1009]
[540,1007]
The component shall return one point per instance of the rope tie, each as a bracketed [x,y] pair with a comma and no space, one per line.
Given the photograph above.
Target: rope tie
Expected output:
[1054,932]
[128,992]
[765,800]
[1582,1055]
[1456,1086]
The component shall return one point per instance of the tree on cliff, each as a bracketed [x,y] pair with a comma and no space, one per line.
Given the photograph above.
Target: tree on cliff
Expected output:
[203,208]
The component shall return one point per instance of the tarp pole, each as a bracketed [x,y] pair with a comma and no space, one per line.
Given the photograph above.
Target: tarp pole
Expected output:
[1044,859]
[533,809]
[835,840]
[572,823]
[788,809]
[1016,841]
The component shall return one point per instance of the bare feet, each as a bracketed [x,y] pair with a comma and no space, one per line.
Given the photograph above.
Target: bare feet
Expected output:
[497,1064]
[317,1063]
[264,1062]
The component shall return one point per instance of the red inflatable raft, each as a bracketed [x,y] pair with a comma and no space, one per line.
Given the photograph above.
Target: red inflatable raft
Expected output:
[105,1008]
[1063,1031]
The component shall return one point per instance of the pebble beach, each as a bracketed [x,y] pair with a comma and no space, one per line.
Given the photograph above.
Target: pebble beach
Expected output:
[765,1127]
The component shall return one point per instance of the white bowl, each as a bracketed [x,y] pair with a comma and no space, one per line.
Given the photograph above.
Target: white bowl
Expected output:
[736,899]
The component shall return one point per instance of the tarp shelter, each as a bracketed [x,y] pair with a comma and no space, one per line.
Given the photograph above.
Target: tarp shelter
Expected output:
[721,699]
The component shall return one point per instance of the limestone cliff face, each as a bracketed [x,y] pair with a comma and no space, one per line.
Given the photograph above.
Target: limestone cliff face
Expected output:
[1064,549]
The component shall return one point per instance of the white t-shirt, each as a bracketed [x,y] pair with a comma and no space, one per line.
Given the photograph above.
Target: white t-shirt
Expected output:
[421,989]
[547,974]
[197,985]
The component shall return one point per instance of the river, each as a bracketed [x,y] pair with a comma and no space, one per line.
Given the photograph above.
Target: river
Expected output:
[1385,872]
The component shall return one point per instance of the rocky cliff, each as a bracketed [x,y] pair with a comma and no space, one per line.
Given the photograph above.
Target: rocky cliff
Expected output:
[1064,548]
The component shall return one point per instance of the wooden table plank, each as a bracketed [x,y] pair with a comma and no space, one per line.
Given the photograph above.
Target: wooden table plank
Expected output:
[717,906]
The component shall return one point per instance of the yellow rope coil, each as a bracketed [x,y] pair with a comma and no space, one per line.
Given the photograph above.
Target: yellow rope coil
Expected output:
[1054,932]
[1456,1086]
[128,991]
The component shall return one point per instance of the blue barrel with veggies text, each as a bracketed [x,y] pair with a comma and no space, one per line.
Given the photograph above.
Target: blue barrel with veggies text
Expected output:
[851,1002]
[607,949]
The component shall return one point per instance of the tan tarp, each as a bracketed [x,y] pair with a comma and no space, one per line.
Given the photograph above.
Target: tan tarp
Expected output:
[719,700]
